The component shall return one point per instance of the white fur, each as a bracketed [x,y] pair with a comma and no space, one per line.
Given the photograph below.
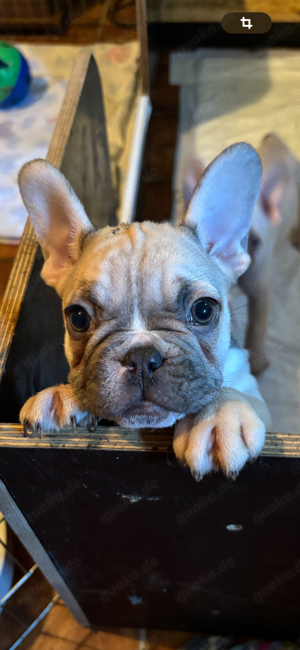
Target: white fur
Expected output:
[136,422]
[237,374]
[137,324]
[39,411]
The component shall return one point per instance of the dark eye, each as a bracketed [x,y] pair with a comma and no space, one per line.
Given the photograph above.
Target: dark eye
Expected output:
[204,311]
[79,318]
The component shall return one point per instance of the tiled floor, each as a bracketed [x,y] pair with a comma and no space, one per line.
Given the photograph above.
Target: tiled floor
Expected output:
[61,631]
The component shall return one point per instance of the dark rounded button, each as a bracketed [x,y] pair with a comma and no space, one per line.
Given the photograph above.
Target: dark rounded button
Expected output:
[247,22]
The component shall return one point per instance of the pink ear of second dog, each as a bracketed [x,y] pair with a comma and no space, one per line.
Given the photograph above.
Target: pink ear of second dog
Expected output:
[274,184]
[192,172]
[275,157]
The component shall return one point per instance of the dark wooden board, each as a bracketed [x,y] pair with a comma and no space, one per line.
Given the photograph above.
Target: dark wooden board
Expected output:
[161,556]
[36,359]
[86,162]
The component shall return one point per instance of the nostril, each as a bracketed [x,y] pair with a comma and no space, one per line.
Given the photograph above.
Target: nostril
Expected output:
[155,361]
[131,360]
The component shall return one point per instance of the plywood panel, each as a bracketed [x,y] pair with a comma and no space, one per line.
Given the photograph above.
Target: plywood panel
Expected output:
[140,543]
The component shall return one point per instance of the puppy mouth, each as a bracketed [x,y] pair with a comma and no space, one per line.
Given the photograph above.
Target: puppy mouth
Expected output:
[144,407]
[146,414]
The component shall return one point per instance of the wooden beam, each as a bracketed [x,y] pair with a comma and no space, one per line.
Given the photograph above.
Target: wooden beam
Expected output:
[108,438]
[20,526]
[141,18]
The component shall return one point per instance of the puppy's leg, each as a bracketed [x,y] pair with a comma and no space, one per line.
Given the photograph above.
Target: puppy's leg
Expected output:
[52,409]
[258,310]
[230,430]
[258,293]
[224,435]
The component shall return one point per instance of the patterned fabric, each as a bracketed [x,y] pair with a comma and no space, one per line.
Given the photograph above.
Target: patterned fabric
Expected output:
[26,130]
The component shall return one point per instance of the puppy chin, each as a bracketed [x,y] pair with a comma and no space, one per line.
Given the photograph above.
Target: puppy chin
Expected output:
[151,416]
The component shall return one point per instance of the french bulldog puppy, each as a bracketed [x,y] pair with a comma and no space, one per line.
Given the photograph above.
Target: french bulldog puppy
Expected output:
[147,319]
[276,217]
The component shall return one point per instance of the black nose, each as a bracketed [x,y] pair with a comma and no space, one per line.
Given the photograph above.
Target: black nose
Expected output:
[142,361]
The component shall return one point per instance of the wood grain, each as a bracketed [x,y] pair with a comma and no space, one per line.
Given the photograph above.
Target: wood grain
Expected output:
[116,438]
[141,15]
[212,12]
[7,256]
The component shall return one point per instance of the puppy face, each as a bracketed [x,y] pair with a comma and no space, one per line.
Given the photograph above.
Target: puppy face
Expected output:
[155,322]
[145,305]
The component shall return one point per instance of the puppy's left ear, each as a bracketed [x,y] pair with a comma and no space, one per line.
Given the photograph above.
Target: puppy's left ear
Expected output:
[221,208]
[58,218]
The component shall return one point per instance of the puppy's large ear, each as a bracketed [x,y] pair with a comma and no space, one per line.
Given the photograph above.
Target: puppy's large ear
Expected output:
[221,208]
[57,216]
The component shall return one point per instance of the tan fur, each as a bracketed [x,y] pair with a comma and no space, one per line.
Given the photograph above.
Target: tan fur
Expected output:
[52,408]
[223,438]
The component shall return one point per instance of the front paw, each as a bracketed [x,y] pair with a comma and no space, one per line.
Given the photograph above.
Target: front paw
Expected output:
[221,437]
[51,409]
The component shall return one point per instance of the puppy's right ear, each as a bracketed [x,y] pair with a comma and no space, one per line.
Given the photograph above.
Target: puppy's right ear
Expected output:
[58,218]
[220,212]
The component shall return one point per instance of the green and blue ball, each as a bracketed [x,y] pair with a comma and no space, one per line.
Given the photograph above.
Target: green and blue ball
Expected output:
[14,76]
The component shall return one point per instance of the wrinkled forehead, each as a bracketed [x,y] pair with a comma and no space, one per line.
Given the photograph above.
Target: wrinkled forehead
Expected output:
[151,263]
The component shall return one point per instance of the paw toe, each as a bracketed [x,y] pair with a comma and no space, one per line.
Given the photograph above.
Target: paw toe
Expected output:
[181,439]
[199,452]
[252,433]
[196,475]
[26,426]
